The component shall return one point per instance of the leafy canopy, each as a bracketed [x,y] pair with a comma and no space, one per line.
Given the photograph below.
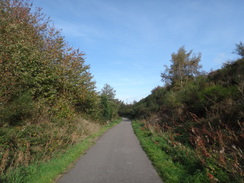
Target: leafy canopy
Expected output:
[185,65]
[240,49]
[108,91]
[35,59]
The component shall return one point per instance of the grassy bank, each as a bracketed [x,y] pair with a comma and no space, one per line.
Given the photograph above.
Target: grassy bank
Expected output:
[175,162]
[46,172]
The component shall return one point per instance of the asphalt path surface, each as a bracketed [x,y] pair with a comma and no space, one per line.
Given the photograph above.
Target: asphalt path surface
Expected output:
[117,157]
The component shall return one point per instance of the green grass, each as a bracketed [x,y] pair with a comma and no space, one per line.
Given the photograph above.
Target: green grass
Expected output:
[47,172]
[173,163]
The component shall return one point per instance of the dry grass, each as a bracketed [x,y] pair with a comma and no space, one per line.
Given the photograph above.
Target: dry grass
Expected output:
[38,142]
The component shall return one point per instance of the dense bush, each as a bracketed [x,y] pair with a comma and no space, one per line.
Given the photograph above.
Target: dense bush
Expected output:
[35,59]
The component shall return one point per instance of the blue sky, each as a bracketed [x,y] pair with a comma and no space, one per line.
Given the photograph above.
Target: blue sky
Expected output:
[128,42]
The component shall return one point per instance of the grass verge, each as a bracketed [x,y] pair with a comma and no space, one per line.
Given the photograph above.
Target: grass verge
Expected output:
[47,172]
[174,163]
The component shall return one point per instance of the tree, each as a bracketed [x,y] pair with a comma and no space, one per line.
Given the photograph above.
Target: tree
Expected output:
[108,91]
[36,60]
[109,104]
[184,67]
[240,49]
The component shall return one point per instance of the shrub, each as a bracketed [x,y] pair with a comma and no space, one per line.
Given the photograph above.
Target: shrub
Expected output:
[17,111]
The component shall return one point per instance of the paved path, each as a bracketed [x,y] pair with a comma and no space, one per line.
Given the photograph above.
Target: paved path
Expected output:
[117,157]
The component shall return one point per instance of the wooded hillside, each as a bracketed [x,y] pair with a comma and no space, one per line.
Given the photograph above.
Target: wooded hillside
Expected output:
[200,111]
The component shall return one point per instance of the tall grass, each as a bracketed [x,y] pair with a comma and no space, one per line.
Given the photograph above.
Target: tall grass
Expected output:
[174,163]
[47,172]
